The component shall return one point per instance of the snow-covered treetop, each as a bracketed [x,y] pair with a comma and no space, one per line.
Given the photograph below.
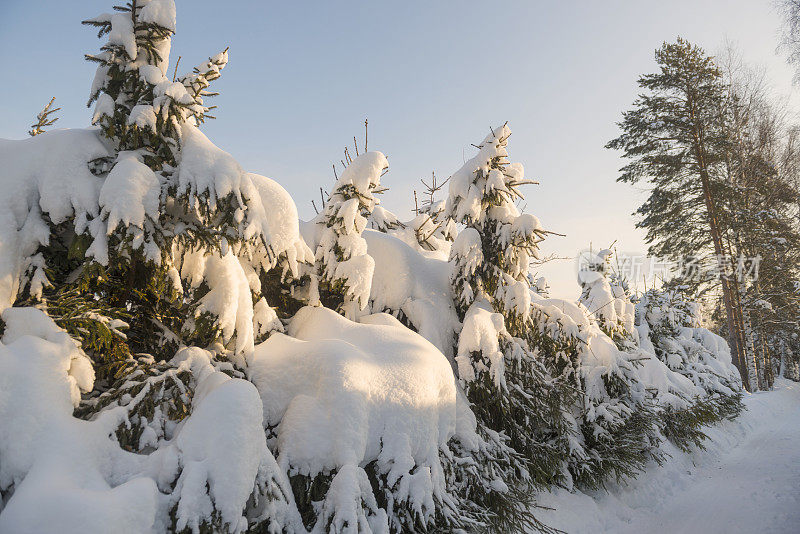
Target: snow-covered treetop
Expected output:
[360,180]
[486,180]
[137,105]
[604,295]
[343,264]
[482,195]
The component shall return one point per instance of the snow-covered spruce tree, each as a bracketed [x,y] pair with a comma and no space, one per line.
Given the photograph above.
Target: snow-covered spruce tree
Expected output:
[674,329]
[677,138]
[91,253]
[343,265]
[165,243]
[152,211]
[508,386]
[616,417]
[180,236]
[606,298]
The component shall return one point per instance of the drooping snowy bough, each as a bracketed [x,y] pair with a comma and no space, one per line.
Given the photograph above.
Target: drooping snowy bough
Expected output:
[670,325]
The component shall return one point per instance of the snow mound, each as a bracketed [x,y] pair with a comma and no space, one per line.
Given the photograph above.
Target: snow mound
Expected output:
[342,398]
[340,391]
[417,286]
[59,470]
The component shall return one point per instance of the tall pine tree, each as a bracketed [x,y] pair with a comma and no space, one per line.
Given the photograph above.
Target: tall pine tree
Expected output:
[677,139]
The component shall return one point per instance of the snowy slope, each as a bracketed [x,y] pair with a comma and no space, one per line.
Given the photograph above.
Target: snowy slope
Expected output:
[747,480]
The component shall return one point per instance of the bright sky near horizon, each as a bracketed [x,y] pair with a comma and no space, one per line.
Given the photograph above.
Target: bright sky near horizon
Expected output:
[432,77]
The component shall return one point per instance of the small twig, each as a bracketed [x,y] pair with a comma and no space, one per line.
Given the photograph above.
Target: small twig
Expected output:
[43,119]
[553,233]
[175,74]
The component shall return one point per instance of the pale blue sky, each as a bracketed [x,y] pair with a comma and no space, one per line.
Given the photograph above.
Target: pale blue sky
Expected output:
[430,76]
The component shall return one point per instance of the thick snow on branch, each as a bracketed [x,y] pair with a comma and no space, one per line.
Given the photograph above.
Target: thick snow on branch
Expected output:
[340,395]
[228,300]
[71,473]
[159,12]
[44,175]
[130,192]
[264,212]
[408,282]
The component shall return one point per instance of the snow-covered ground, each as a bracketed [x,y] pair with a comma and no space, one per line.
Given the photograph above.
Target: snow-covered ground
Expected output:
[747,480]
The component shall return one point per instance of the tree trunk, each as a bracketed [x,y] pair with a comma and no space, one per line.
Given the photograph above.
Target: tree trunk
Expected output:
[735,333]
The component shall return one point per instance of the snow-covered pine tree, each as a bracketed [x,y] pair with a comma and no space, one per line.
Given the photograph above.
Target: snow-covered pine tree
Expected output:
[674,326]
[176,253]
[165,243]
[677,139]
[605,297]
[180,230]
[141,113]
[343,265]
[616,417]
[508,386]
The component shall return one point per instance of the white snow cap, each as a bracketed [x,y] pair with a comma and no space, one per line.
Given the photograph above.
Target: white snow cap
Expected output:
[464,193]
[161,12]
[130,192]
[364,172]
[45,174]
[342,391]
